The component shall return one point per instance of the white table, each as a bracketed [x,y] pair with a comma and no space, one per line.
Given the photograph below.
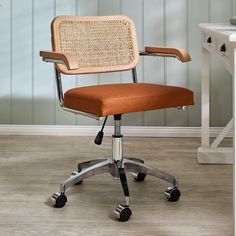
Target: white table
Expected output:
[220,40]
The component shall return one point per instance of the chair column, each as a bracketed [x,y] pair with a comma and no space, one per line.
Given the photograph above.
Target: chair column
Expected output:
[123,212]
[117,140]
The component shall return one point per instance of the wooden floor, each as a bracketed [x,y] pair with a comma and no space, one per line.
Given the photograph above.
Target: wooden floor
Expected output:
[33,166]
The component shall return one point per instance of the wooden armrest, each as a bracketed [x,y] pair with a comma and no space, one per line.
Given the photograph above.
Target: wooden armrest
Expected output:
[180,53]
[65,58]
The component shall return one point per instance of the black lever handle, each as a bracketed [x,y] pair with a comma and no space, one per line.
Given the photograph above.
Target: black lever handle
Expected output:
[99,137]
[223,48]
[209,40]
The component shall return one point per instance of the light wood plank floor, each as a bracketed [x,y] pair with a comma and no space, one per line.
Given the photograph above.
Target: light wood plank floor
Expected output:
[33,166]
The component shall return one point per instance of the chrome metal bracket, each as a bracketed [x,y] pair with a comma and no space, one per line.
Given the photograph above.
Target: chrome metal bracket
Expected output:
[61,99]
[134,75]
[99,168]
[134,166]
[143,53]
[53,60]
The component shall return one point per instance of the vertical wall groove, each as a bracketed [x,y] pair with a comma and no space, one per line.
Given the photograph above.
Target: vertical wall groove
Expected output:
[120,13]
[32,62]
[11,56]
[142,47]
[54,87]
[142,37]
[76,77]
[165,60]
[143,61]
[98,13]
[209,21]
[188,48]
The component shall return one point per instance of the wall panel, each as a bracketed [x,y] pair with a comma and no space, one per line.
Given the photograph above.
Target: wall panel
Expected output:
[22,103]
[5,62]
[65,7]
[176,28]
[198,12]
[86,8]
[233,7]
[135,10]
[220,82]
[109,7]
[43,77]
[154,34]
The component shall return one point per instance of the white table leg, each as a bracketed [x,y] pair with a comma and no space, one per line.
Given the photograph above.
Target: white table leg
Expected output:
[234,137]
[210,154]
[205,99]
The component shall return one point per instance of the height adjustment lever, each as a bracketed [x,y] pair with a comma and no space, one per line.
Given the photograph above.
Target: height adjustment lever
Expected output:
[99,137]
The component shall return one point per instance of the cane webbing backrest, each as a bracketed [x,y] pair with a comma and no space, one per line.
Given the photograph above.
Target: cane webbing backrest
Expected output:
[99,43]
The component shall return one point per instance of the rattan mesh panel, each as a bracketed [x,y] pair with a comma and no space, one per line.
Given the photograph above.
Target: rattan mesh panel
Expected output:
[97,43]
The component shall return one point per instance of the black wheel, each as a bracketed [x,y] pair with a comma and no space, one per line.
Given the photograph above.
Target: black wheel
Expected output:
[123,213]
[59,200]
[139,176]
[173,194]
[75,173]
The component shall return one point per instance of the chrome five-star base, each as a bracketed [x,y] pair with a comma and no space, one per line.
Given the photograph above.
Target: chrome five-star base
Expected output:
[117,166]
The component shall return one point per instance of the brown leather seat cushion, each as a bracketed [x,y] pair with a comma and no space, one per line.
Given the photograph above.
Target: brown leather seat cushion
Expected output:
[110,99]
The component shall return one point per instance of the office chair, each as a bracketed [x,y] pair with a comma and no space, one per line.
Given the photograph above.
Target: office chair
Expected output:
[99,44]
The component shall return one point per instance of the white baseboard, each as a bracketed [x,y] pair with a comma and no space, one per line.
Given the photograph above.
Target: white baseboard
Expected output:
[132,131]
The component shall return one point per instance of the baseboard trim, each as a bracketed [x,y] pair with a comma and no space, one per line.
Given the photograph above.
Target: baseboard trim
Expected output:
[132,131]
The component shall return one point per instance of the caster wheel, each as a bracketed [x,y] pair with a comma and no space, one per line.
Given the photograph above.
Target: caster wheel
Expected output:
[75,173]
[172,194]
[123,213]
[59,200]
[139,176]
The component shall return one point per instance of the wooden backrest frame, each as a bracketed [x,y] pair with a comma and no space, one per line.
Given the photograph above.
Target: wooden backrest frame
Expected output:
[130,50]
